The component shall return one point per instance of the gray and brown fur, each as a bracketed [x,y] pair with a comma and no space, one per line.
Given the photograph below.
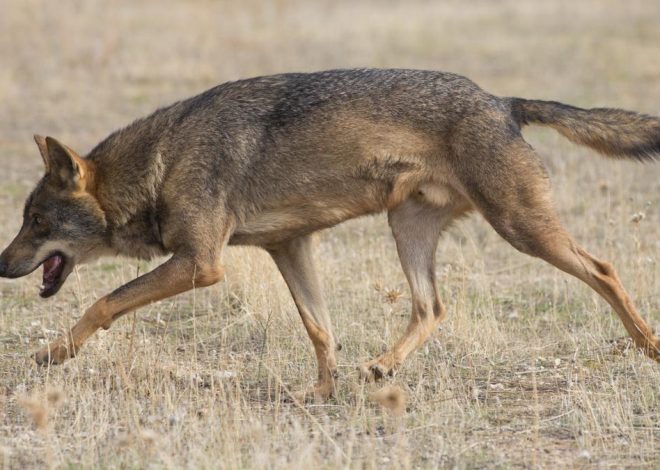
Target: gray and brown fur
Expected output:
[269,161]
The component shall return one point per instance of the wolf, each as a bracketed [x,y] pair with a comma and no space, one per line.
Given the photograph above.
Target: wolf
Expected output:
[270,161]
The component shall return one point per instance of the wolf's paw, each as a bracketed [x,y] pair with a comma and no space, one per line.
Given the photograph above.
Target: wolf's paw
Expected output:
[655,351]
[320,392]
[55,353]
[377,369]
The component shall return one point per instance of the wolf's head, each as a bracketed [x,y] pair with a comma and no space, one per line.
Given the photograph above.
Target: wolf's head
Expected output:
[63,223]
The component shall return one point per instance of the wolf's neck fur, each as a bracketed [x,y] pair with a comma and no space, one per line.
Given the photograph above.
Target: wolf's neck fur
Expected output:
[130,169]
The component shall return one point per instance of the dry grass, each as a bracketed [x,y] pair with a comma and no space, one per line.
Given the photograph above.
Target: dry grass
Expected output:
[524,373]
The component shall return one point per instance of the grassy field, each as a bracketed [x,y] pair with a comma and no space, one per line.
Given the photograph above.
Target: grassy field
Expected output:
[531,369]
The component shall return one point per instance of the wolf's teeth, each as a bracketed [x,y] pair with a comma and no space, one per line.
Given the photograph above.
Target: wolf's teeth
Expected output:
[42,287]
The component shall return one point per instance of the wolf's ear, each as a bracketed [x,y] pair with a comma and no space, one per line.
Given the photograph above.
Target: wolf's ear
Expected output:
[64,163]
[43,148]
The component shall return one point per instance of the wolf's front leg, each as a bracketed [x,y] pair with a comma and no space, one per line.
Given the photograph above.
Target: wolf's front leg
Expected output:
[294,259]
[178,274]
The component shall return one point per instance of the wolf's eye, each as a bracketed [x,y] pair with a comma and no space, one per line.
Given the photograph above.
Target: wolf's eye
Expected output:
[37,220]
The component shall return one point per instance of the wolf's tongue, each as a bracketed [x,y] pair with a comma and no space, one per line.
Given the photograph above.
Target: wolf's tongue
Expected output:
[51,267]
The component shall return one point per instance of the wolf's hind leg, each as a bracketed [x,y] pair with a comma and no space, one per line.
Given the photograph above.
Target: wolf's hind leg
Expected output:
[416,227]
[553,244]
[295,262]
[518,205]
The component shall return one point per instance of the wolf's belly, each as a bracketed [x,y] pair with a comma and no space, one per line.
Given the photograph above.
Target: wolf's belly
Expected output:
[276,225]
[293,219]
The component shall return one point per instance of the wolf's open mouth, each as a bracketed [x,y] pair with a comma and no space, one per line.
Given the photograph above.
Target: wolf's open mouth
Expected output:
[52,277]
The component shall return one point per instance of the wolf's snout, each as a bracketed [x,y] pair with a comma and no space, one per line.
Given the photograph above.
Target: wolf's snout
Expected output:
[5,268]
[10,267]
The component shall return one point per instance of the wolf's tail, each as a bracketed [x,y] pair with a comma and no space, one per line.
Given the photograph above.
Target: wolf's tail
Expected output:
[613,132]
